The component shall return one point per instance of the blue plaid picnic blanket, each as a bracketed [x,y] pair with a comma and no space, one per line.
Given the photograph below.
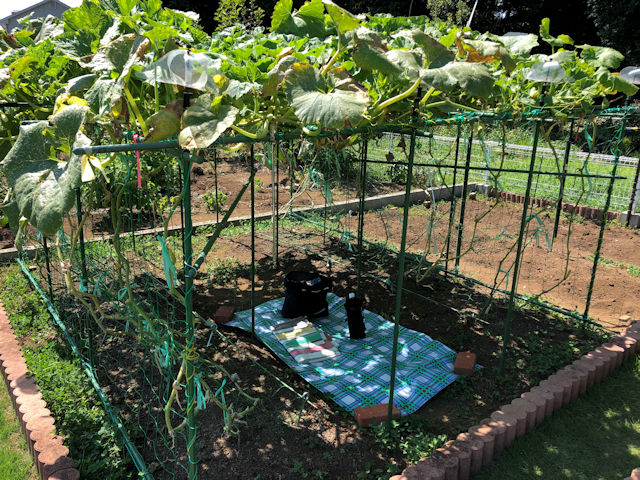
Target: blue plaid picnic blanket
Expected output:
[360,374]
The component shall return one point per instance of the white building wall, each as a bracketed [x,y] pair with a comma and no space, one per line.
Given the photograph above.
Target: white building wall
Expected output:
[42,9]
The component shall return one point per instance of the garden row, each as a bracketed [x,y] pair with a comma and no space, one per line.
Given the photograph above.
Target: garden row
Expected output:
[482,444]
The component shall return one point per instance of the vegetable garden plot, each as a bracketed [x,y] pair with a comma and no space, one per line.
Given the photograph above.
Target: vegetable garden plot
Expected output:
[312,95]
[141,299]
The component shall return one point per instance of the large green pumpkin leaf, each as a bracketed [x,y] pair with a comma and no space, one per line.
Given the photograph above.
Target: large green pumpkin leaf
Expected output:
[550,39]
[44,187]
[601,56]
[51,28]
[334,101]
[203,123]
[408,61]
[281,20]
[103,94]
[88,16]
[309,20]
[437,54]
[473,78]
[370,58]
[22,65]
[81,83]
[344,20]
[518,43]
[275,76]
[119,55]
[76,45]
[615,83]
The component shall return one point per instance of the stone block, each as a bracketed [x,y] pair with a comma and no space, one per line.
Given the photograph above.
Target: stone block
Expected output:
[374,414]
[464,363]
[224,314]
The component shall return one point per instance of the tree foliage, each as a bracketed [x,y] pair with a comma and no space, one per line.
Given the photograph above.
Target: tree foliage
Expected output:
[238,12]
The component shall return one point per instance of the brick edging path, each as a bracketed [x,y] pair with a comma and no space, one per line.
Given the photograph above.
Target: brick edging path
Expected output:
[483,443]
[50,455]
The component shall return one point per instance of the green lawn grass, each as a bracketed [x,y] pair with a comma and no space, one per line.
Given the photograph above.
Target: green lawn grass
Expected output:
[15,460]
[595,438]
[590,191]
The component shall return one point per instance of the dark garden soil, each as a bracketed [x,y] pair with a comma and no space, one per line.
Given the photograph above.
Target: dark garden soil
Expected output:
[6,238]
[327,440]
[615,291]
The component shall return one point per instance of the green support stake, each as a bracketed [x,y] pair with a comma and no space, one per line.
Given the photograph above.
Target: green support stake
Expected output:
[215,183]
[253,244]
[277,166]
[88,330]
[45,245]
[363,192]
[633,197]
[516,263]
[563,179]
[189,272]
[274,208]
[596,257]
[401,259]
[452,207]
[463,205]
[291,160]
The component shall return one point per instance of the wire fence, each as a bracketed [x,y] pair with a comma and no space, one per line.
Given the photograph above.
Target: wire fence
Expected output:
[487,154]
[124,284]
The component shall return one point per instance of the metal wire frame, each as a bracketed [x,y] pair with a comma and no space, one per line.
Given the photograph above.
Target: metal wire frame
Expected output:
[190,266]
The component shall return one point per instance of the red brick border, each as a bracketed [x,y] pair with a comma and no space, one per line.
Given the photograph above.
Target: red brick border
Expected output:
[592,213]
[483,443]
[50,455]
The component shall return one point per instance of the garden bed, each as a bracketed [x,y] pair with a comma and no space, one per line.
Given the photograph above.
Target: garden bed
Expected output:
[324,442]
[540,345]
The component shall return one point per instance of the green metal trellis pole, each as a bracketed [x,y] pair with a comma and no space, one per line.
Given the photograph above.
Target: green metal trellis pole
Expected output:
[452,207]
[363,192]
[45,245]
[596,257]
[634,192]
[88,330]
[516,263]
[190,331]
[563,179]
[463,205]
[253,244]
[401,259]
[291,160]
[274,207]
[215,184]
[277,166]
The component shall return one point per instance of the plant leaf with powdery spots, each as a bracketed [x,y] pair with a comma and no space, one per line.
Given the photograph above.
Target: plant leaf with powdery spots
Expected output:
[473,78]
[601,56]
[332,101]
[437,54]
[203,122]
[40,172]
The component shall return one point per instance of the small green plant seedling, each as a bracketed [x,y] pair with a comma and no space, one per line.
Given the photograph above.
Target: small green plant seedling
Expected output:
[214,200]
